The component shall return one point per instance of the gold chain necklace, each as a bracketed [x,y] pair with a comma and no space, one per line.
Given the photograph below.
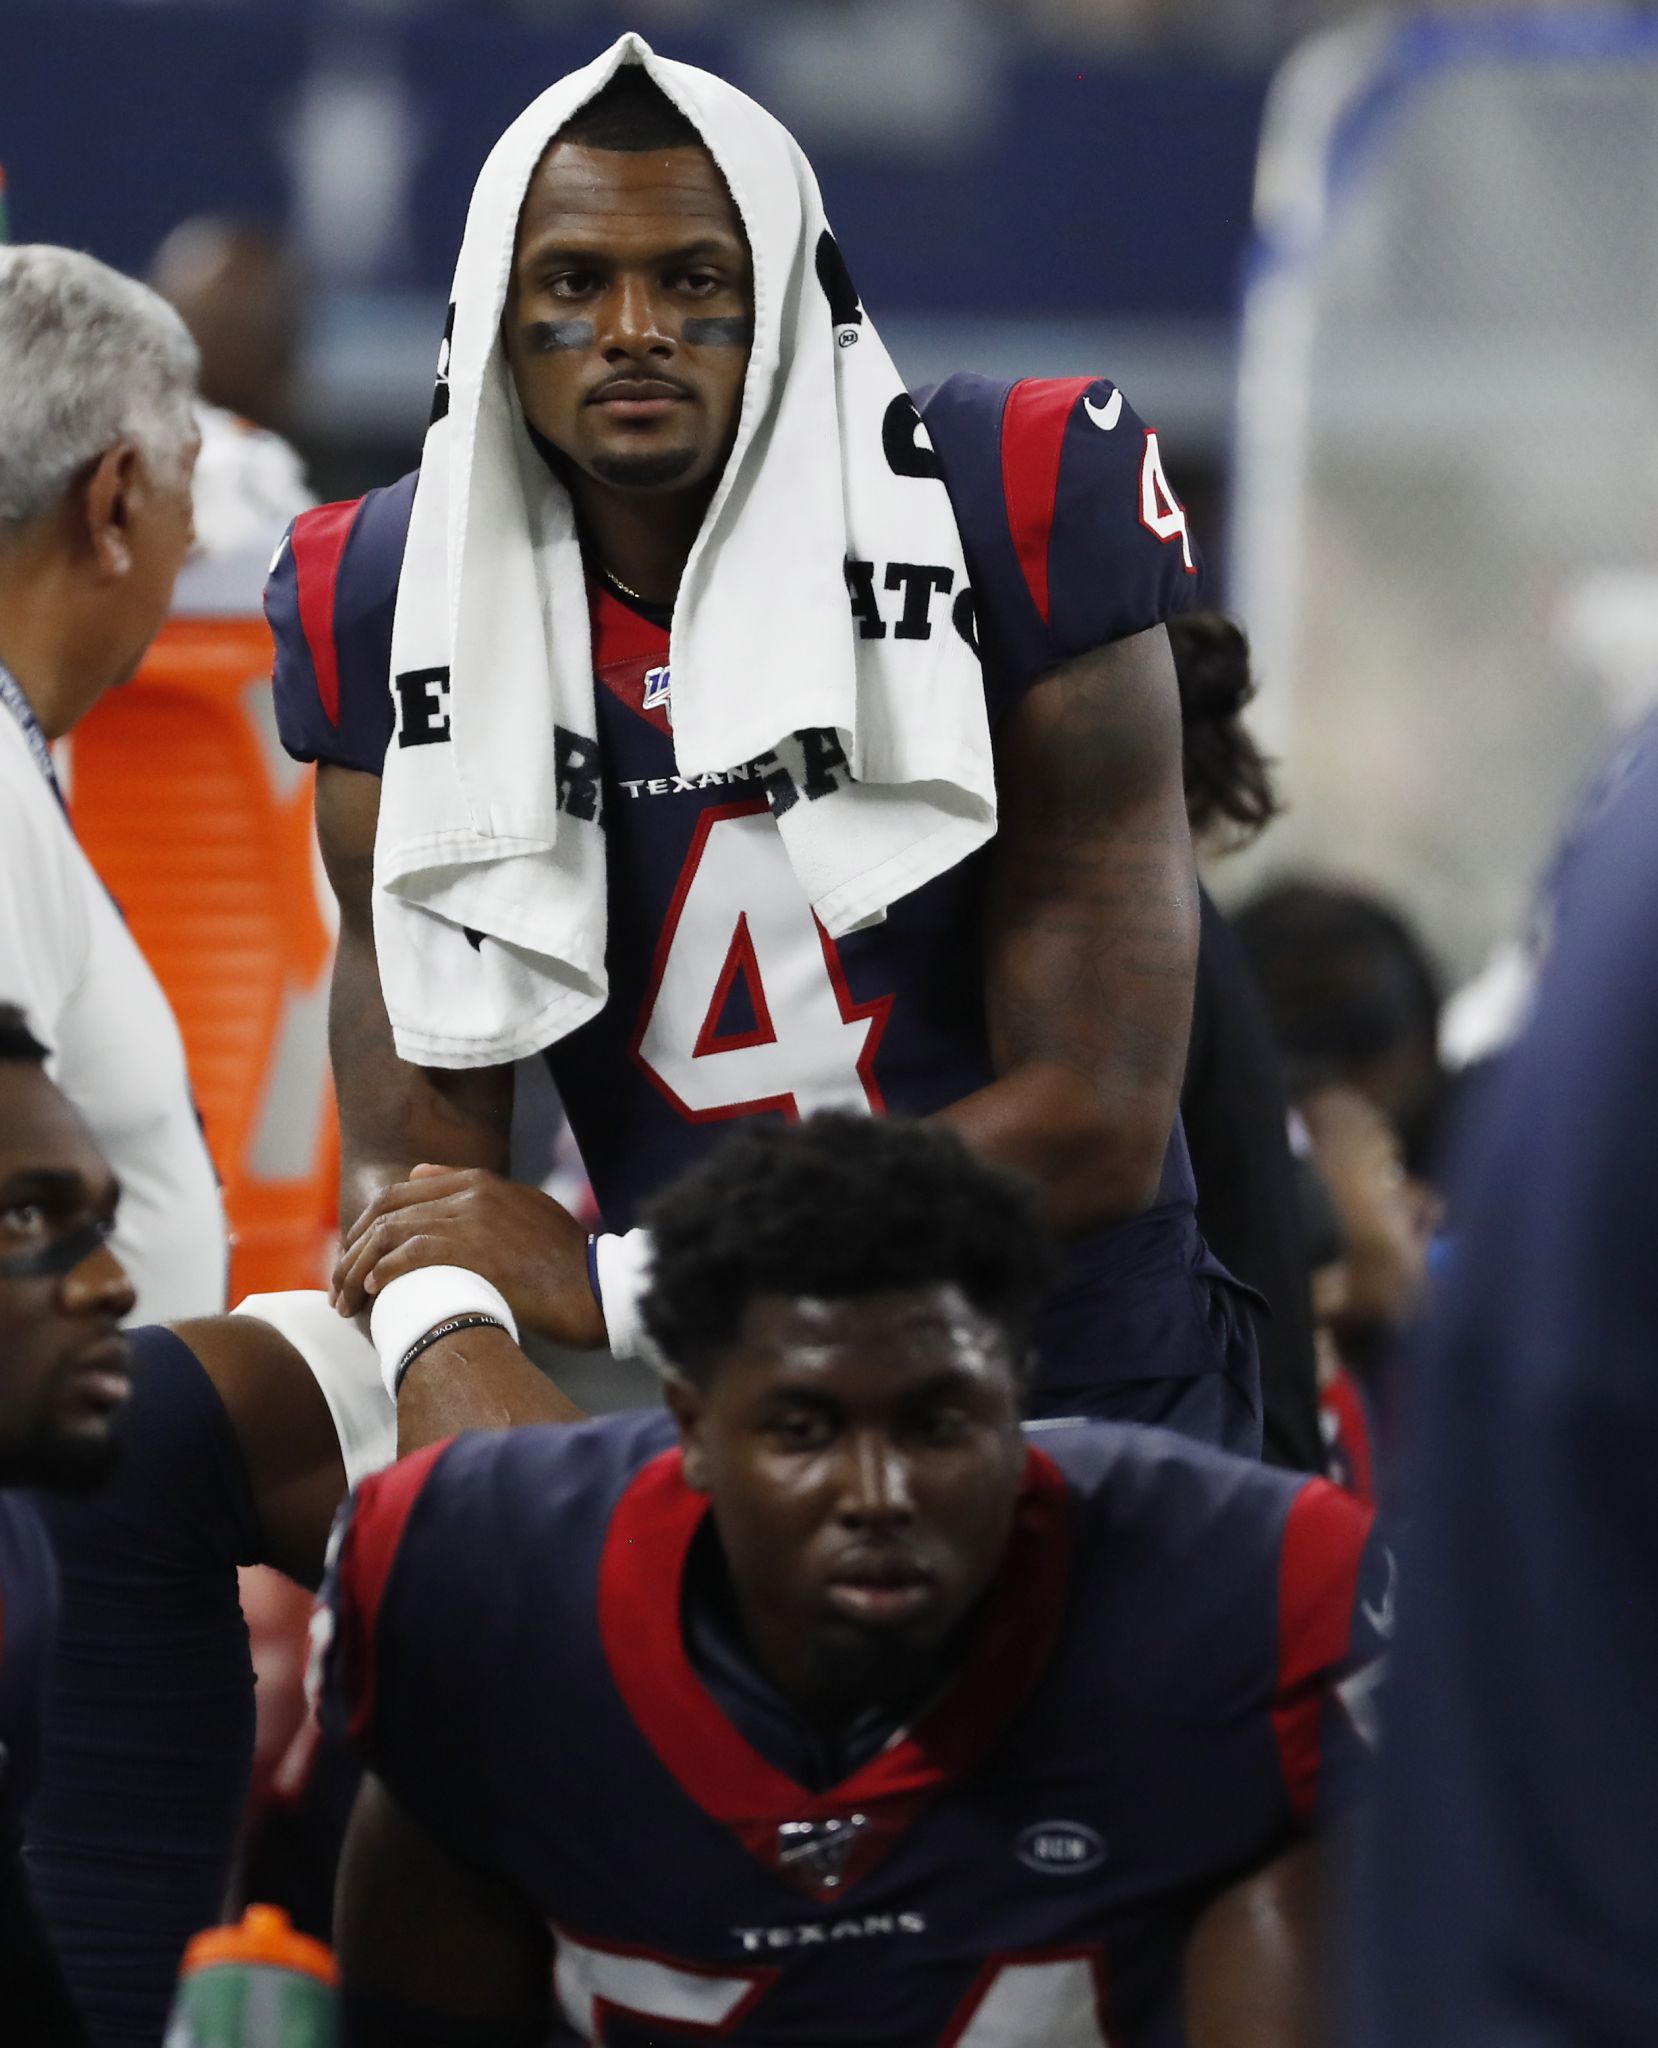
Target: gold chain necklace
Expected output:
[627,590]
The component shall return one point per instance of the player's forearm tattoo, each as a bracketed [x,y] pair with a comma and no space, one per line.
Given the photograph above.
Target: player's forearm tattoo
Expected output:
[547,337]
[1094,896]
[395,1108]
[734,330]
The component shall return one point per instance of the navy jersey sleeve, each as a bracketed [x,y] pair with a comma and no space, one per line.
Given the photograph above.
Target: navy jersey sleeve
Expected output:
[352,1637]
[28,1634]
[421,1654]
[1073,535]
[329,599]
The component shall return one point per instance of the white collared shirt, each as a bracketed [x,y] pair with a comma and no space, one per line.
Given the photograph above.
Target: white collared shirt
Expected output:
[69,961]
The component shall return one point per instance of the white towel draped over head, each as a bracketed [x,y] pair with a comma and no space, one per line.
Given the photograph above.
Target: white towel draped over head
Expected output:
[489,868]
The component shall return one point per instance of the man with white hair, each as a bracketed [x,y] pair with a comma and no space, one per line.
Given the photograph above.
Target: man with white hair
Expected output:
[97,444]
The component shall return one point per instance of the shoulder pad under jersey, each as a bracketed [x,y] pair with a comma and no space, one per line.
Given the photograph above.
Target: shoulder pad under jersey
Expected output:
[1072,533]
[329,598]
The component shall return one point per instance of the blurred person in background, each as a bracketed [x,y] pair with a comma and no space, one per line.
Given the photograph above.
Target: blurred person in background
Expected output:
[1369,1277]
[1233,1102]
[239,292]
[1036,999]
[1353,994]
[1508,1893]
[64,1373]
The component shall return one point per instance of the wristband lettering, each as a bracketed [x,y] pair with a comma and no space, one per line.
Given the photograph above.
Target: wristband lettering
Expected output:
[436,1336]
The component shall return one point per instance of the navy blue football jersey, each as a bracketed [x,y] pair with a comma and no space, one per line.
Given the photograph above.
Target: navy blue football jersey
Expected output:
[28,1629]
[1511,1894]
[1169,1681]
[727,998]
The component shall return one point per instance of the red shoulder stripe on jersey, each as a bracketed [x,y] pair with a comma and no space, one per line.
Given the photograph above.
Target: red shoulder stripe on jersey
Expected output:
[1318,1580]
[384,1504]
[318,542]
[1034,419]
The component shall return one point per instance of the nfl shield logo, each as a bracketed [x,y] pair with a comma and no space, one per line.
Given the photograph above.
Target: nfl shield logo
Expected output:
[816,1852]
[658,695]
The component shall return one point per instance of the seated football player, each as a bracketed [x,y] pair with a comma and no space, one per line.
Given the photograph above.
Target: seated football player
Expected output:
[63,1377]
[753,739]
[836,1704]
[237,1445]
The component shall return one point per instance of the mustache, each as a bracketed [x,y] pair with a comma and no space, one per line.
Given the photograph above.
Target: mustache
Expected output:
[890,1567]
[638,384]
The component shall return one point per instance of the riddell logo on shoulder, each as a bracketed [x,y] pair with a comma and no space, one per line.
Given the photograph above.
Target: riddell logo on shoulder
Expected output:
[1060,1848]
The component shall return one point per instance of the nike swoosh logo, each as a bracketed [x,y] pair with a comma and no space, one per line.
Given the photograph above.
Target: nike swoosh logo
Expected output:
[1381,1619]
[1106,416]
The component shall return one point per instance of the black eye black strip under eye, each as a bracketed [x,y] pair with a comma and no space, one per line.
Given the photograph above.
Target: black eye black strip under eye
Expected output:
[63,1255]
[546,337]
[735,330]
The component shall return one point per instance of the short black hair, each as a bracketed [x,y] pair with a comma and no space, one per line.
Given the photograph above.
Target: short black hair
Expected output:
[631,113]
[1227,777]
[836,1207]
[1346,977]
[17,1041]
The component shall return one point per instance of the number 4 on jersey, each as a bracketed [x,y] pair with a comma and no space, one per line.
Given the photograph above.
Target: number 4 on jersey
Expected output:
[748,1007]
[1161,512]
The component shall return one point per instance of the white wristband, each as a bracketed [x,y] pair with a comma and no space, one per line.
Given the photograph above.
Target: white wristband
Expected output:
[407,1307]
[622,1271]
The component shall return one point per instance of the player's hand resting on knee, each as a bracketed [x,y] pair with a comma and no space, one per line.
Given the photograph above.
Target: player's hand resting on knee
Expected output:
[521,1240]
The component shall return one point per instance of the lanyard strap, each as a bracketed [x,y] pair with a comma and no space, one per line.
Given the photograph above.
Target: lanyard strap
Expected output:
[11,695]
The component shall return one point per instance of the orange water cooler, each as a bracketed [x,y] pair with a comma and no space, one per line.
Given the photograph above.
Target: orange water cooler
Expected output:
[201,827]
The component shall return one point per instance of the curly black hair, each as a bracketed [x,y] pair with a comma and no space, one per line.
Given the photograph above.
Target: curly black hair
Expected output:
[630,113]
[1227,776]
[17,1041]
[836,1207]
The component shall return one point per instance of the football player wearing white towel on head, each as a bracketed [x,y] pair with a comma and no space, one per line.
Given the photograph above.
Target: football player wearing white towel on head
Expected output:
[662,329]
